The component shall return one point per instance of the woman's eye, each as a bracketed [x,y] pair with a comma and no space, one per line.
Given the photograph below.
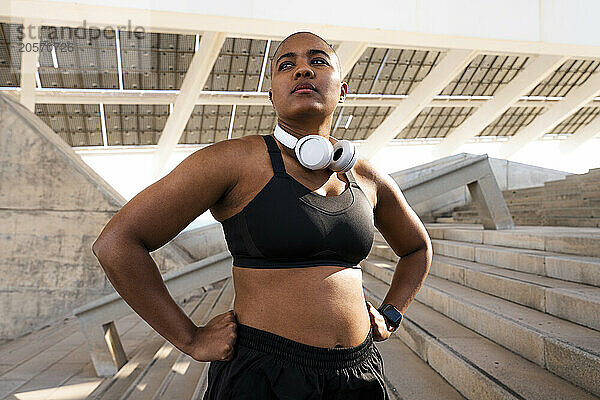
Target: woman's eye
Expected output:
[320,59]
[283,64]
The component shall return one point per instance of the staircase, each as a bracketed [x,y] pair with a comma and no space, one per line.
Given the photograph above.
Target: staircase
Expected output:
[54,363]
[573,201]
[502,314]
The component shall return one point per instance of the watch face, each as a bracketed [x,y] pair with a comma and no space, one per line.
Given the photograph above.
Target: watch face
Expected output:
[393,314]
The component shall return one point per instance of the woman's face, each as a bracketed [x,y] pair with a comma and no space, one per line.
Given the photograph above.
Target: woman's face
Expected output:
[305,59]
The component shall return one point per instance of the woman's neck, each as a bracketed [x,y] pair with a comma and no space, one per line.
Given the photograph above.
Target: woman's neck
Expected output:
[322,128]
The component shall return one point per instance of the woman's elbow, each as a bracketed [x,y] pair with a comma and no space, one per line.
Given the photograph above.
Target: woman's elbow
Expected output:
[107,244]
[98,247]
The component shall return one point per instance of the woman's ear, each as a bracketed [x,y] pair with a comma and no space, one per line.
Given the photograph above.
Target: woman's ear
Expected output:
[343,92]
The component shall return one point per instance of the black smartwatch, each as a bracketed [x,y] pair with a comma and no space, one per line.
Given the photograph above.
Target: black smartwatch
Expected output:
[391,314]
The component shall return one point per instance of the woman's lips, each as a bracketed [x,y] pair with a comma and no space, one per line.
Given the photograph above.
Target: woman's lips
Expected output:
[303,90]
[304,87]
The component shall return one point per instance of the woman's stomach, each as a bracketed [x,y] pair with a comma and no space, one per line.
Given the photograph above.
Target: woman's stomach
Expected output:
[320,306]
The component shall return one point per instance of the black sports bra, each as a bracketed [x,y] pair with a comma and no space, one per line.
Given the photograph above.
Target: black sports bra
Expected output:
[287,225]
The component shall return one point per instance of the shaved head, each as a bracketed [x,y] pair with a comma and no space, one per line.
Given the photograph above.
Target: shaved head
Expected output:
[334,57]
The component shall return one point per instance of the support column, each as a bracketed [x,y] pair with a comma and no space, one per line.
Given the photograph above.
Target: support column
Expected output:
[349,53]
[29,61]
[183,106]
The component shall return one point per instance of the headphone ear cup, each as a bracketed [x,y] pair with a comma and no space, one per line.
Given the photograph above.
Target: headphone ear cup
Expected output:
[314,152]
[344,156]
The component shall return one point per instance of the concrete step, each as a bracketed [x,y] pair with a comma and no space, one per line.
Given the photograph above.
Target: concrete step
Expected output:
[522,206]
[130,381]
[516,197]
[581,242]
[562,183]
[529,190]
[467,220]
[567,300]
[420,381]
[578,269]
[564,196]
[55,372]
[563,348]
[466,264]
[465,215]
[185,378]
[526,212]
[570,203]
[223,304]
[580,212]
[180,379]
[118,385]
[476,366]
[27,347]
[585,192]
[573,221]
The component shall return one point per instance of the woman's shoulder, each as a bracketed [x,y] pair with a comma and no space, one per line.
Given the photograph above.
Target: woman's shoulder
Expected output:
[367,177]
[375,180]
[239,151]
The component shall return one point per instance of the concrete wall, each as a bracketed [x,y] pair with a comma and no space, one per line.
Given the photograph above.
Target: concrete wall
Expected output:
[202,242]
[52,208]
[514,175]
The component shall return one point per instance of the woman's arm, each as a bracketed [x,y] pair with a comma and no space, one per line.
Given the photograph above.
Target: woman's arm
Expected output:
[150,220]
[406,235]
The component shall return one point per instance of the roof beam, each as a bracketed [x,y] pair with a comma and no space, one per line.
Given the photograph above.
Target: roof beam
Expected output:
[540,68]
[452,63]
[195,78]
[29,61]
[114,96]
[585,133]
[572,102]
[349,53]
[539,27]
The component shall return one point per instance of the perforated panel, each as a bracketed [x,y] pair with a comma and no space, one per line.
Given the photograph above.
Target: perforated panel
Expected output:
[435,122]
[364,121]
[238,65]
[133,124]
[570,74]
[576,121]
[208,124]
[86,60]
[485,75]
[10,56]
[390,71]
[155,60]
[76,124]
[512,121]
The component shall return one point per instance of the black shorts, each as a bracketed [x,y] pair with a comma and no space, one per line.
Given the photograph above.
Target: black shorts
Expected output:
[268,366]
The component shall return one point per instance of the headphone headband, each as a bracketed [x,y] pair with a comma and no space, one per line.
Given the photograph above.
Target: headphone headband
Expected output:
[287,139]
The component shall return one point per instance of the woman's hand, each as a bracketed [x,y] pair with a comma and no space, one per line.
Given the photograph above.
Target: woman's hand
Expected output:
[215,341]
[381,329]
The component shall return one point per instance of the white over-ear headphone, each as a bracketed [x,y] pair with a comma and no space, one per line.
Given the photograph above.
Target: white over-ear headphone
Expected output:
[317,152]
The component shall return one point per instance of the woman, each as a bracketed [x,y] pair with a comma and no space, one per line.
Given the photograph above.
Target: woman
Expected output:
[300,327]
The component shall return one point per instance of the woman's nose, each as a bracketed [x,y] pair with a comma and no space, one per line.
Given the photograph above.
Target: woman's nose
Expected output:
[304,71]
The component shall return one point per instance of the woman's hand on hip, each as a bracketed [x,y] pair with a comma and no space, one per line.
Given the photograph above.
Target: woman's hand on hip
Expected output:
[381,329]
[215,340]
